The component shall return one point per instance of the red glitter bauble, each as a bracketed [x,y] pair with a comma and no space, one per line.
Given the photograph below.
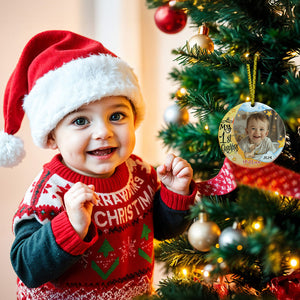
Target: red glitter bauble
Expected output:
[170,19]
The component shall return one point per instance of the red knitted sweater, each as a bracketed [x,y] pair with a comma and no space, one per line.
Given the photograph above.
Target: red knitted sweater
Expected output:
[117,260]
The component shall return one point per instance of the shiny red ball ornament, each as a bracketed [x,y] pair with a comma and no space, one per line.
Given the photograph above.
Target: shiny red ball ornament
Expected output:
[170,19]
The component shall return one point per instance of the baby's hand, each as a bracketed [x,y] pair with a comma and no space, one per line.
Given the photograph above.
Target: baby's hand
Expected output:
[79,202]
[176,174]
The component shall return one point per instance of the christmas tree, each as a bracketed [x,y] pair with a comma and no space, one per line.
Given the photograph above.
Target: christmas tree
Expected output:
[244,238]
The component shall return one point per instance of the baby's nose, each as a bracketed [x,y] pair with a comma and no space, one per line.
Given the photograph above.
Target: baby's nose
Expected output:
[102,131]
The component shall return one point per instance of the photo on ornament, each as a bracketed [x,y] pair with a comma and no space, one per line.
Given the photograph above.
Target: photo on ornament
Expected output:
[259,133]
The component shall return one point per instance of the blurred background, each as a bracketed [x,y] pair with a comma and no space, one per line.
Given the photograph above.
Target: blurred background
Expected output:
[126,28]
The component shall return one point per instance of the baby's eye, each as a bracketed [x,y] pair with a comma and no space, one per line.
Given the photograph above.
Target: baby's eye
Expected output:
[117,116]
[81,121]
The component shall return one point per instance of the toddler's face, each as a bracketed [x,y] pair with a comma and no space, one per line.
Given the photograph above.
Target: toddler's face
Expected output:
[97,137]
[257,130]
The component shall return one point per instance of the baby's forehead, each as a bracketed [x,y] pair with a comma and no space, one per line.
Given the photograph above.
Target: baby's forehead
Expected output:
[257,121]
[111,101]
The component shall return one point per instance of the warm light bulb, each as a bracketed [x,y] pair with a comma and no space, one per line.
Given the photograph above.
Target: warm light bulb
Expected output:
[220,260]
[294,262]
[292,53]
[184,272]
[206,274]
[206,127]
[236,79]
[256,225]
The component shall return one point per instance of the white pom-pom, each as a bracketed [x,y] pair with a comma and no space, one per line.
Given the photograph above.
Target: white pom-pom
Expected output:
[11,150]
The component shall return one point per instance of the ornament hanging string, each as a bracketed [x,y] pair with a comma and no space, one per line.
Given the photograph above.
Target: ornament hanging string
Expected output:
[252,81]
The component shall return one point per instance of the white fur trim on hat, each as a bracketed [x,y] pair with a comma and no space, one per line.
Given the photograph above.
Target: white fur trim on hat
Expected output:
[11,150]
[78,82]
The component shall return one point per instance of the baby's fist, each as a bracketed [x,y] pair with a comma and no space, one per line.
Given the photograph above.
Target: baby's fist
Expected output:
[79,202]
[176,174]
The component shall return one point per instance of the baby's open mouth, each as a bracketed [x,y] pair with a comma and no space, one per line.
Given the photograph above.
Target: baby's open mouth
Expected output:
[102,152]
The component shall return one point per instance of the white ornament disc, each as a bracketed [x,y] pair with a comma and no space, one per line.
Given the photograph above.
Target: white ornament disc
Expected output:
[252,136]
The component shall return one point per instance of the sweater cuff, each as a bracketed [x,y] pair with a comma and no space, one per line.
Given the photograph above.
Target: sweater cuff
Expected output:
[177,201]
[68,239]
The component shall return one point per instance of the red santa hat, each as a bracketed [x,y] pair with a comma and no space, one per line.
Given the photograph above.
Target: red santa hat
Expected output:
[58,72]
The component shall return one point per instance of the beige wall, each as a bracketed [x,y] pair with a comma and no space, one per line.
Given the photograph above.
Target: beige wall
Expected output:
[19,20]
[128,30]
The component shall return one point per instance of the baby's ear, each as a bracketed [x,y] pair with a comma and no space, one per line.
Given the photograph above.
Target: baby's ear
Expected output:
[51,143]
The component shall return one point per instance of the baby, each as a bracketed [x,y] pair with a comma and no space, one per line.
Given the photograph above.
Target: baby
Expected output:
[257,142]
[86,225]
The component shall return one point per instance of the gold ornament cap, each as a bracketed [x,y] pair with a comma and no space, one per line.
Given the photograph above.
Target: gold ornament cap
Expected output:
[203,30]
[201,40]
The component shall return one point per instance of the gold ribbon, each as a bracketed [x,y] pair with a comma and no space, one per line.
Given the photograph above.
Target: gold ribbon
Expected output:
[252,81]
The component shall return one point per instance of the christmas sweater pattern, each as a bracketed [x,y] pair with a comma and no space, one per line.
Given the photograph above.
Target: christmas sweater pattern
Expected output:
[119,264]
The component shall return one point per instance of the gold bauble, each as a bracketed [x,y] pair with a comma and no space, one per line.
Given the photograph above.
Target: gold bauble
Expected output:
[203,234]
[201,40]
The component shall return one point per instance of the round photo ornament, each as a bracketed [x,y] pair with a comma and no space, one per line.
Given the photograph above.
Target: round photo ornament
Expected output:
[252,134]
